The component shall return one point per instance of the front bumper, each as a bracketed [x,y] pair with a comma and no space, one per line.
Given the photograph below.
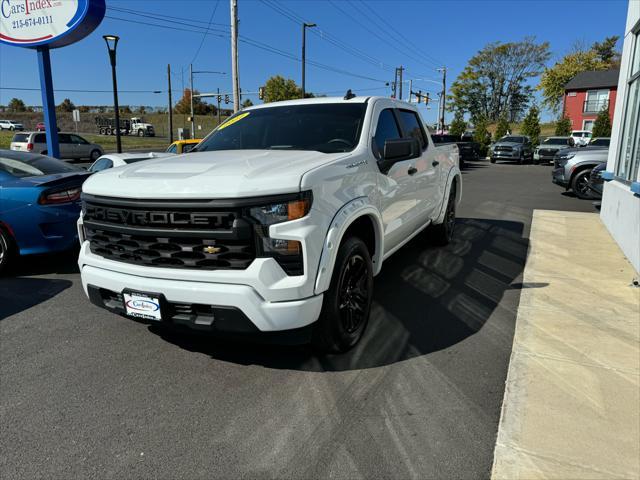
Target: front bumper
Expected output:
[506,155]
[557,177]
[103,286]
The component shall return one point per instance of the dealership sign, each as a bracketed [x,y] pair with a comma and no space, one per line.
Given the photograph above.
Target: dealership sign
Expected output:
[52,23]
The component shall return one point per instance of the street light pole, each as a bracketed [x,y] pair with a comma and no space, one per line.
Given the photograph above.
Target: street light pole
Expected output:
[170,105]
[304,51]
[112,44]
[193,123]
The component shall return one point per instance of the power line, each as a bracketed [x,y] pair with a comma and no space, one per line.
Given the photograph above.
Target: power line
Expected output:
[206,31]
[399,34]
[249,41]
[81,90]
[324,35]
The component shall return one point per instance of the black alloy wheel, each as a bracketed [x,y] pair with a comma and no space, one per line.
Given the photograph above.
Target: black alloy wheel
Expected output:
[353,293]
[580,185]
[6,249]
[347,302]
[442,234]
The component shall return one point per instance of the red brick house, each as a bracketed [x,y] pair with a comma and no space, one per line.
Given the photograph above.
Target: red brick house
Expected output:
[587,94]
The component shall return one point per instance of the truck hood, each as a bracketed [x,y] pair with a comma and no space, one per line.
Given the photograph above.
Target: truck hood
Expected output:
[219,174]
[507,144]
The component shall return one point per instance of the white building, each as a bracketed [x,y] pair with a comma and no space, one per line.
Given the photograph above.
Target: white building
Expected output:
[621,201]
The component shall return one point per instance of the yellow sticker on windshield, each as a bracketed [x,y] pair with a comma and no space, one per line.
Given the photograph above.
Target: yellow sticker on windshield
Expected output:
[233,120]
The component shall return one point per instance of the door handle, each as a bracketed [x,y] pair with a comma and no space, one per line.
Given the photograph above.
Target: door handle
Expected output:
[435,163]
[412,171]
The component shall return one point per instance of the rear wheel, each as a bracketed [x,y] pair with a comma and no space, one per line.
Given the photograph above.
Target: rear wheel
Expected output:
[141,133]
[95,154]
[442,234]
[580,185]
[492,160]
[7,250]
[347,303]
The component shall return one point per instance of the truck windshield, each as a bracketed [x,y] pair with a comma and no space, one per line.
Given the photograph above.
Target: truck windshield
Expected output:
[556,141]
[327,128]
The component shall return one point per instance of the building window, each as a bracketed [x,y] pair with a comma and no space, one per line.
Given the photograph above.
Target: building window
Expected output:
[629,153]
[597,100]
[588,125]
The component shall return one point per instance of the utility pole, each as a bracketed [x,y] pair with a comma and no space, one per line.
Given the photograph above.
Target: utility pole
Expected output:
[394,88]
[411,91]
[193,124]
[218,98]
[443,97]
[400,80]
[170,105]
[304,51]
[234,55]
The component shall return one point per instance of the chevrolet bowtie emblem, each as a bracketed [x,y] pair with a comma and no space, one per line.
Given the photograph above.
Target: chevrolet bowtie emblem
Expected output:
[211,249]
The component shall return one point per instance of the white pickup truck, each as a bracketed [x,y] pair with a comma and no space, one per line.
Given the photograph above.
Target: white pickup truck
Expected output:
[278,221]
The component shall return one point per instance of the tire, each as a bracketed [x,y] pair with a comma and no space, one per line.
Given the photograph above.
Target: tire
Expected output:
[579,185]
[11,129]
[141,133]
[492,160]
[347,302]
[536,162]
[95,154]
[7,250]
[442,234]
[107,131]
[102,131]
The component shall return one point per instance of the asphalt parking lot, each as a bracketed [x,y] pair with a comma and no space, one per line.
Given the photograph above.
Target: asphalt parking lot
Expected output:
[87,394]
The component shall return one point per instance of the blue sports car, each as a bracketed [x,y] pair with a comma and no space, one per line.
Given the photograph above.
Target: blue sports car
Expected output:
[39,204]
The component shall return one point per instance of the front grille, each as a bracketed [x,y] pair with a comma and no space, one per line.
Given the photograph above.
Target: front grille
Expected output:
[169,235]
[547,152]
[158,251]
[503,149]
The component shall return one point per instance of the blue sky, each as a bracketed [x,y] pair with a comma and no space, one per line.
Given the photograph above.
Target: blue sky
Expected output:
[366,40]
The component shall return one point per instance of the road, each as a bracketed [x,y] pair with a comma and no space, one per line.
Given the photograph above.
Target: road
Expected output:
[87,394]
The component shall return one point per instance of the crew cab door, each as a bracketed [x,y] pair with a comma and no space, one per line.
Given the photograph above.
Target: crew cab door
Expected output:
[398,201]
[427,177]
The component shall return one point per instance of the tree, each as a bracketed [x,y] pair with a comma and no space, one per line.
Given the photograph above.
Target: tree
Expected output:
[458,125]
[199,107]
[278,88]
[502,128]
[602,125]
[606,51]
[142,110]
[601,56]
[247,103]
[563,127]
[66,106]
[482,136]
[494,83]
[531,125]
[17,105]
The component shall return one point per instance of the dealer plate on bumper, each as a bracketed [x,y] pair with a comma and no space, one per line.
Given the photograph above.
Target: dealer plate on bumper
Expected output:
[142,305]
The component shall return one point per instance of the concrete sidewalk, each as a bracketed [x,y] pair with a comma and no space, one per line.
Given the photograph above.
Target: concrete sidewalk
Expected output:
[572,399]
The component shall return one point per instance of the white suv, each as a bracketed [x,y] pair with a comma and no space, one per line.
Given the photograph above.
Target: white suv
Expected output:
[277,221]
[10,125]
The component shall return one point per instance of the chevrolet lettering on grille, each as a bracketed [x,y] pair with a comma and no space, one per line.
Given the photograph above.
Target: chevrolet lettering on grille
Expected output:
[158,218]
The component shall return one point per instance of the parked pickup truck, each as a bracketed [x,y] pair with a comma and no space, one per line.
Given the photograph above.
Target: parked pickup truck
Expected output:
[278,221]
[468,149]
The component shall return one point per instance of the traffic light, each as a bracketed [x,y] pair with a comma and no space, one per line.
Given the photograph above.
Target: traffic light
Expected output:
[226,99]
[261,93]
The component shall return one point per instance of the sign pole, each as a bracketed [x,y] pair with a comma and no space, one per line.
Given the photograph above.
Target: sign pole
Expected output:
[48,103]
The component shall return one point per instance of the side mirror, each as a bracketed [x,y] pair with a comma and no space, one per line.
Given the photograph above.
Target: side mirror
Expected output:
[398,150]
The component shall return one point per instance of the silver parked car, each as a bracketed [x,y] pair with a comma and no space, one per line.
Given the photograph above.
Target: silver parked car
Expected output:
[72,146]
[547,150]
[572,168]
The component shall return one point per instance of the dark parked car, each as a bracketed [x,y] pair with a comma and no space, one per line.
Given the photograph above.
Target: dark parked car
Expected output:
[512,147]
[39,204]
[469,150]
[596,183]
[600,142]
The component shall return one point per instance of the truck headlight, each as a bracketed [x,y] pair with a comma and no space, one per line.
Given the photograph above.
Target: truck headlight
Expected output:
[288,253]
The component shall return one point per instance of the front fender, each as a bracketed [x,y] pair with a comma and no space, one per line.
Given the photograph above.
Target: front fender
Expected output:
[454,174]
[348,214]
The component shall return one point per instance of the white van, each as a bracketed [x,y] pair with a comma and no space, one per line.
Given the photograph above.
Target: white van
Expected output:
[72,146]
